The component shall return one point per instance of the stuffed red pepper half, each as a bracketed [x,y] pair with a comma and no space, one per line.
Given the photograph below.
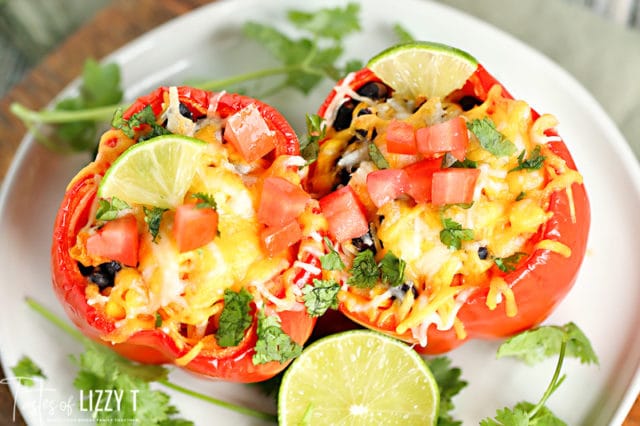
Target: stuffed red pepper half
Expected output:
[456,216]
[213,278]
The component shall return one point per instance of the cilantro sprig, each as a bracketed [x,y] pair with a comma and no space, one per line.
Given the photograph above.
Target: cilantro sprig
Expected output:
[321,296]
[365,272]
[453,234]
[490,138]
[534,346]
[332,260]
[26,370]
[273,343]
[235,317]
[533,162]
[450,384]
[110,209]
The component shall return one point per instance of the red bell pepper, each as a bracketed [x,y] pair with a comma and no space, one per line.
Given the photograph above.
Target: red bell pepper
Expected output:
[154,344]
[538,282]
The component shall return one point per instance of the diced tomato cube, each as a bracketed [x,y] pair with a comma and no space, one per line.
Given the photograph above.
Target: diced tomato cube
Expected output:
[453,186]
[419,178]
[281,201]
[116,240]
[249,133]
[194,227]
[450,136]
[279,238]
[386,185]
[345,214]
[401,138]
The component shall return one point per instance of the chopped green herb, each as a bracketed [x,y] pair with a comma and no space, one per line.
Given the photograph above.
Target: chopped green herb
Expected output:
[153,217]
[490,138]
[521,196]
[450,384]
[144,117]
[534,162]
[364,272]
[464,164]
[453,234]
[331,261]
[205,201]
[25,371]
[316,131]
[377,157]
[110,209]
[235,317]
[320,296]
[509,264]
[158,323]
[273,343]
[392,269]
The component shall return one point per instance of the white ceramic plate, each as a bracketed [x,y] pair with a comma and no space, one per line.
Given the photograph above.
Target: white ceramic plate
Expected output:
[208,42]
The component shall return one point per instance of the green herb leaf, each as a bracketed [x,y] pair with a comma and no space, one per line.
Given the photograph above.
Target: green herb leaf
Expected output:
[235,317]
[450,384]
[331,261]
[206,201]
[534,162]
[490,138]
[273,343]
[110,209]
[332,23]
[453,234]
[25,371]
[377,157]
[508,417]
[143,120]
[392,269]
[320,296]
[404,36]
[316,131]
[364,272]
[521,196]
[153,217]
[509,264]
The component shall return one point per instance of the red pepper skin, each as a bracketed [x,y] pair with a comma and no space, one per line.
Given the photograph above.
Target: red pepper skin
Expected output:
[539,284]
[154,346]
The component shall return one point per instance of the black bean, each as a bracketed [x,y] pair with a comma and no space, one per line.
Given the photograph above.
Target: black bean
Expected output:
[185,111]
[344,115]
[364,111]
[101,279]
[374,90]
[409,286]
[85,270]
[483,252]
[110,268]
[364,242]
[468,102]
[343,176]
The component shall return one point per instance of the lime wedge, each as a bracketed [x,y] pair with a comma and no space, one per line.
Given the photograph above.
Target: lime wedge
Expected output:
[358,378]
[157,172]
[423,69]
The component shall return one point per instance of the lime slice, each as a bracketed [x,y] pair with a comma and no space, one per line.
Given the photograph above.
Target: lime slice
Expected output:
[358,378]
[157,172]
[418,69]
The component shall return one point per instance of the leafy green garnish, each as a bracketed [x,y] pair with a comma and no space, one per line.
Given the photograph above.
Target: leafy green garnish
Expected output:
[110,209]
[235,317]
[25,371]
[205,201]
[449,384]
[534,162]
[453,234]
[331,261]
[404,36]
[320,296]
[153,217]
[490,138]
[273,343]
[509,264]
[144,117]
[533,346]
[316,131]
[377,157]
[364,272]
[392,269]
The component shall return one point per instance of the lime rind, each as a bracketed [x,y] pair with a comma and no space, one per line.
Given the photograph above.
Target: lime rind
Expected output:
[156,172]
[423,69]
[364,377]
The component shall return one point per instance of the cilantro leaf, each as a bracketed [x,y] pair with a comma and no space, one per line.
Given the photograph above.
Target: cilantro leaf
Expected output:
[25,370]
[364,272]
[534,162]
[453,234]
[404,36]
[392,269]
[509,264]
[450,384]
[508,417]
[332,23]
[144,120]
[332,260]
[320,296]
[110,209]
[377,157]
[100,84]
[235,317]
[206,201]
[153,217]
[490,138]
[273,343]
[316,131]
